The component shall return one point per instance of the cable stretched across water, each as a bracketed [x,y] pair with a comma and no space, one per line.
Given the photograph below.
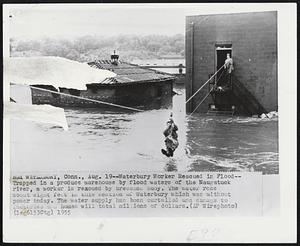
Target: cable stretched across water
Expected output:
[206,95]
[204,84]
[201,101]
[83,98]
[113,104]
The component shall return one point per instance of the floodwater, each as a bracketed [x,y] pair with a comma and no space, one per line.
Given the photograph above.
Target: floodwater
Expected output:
[113,140]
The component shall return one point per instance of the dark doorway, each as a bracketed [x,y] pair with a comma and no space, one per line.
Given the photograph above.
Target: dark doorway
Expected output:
[221,55]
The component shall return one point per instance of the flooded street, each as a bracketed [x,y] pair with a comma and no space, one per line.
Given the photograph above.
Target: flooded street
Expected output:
[114,140]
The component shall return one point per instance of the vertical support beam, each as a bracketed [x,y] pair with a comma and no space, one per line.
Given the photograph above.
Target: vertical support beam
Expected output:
[191,106]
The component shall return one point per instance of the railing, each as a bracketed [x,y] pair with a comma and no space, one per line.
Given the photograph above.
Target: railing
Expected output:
[180,67]
[161,66]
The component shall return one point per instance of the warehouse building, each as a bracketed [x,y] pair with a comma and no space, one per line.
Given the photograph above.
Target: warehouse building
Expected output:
[251,41]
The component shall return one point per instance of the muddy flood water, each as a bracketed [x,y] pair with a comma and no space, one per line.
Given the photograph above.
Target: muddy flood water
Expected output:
[113,140]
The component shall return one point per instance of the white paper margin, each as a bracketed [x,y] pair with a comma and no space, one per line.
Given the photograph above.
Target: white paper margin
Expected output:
[199,229]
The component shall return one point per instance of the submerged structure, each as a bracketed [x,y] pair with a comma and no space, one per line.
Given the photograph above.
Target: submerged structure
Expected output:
[132,86]
[250,39]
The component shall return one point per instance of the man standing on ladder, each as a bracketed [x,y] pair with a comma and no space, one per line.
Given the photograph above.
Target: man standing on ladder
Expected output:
[228,66]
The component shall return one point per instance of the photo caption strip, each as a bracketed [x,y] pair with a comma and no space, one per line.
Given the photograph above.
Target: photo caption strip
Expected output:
[140,194]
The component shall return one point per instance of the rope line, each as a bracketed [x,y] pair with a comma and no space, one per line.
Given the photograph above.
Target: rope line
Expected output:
[83,98]
[204,84]
[219,78]
[121,106]
[206,94]
[202,101]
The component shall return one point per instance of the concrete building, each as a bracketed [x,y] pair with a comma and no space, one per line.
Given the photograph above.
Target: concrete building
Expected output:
[251,40]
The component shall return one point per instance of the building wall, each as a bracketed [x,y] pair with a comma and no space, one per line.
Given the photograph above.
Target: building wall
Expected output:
[152,95]
[45,97]
[149,95]
[254,51]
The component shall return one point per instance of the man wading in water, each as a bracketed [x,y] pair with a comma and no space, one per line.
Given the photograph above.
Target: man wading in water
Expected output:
[171,137]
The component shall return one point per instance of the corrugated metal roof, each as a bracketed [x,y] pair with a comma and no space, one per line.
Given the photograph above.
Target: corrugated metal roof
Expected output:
[129,73]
